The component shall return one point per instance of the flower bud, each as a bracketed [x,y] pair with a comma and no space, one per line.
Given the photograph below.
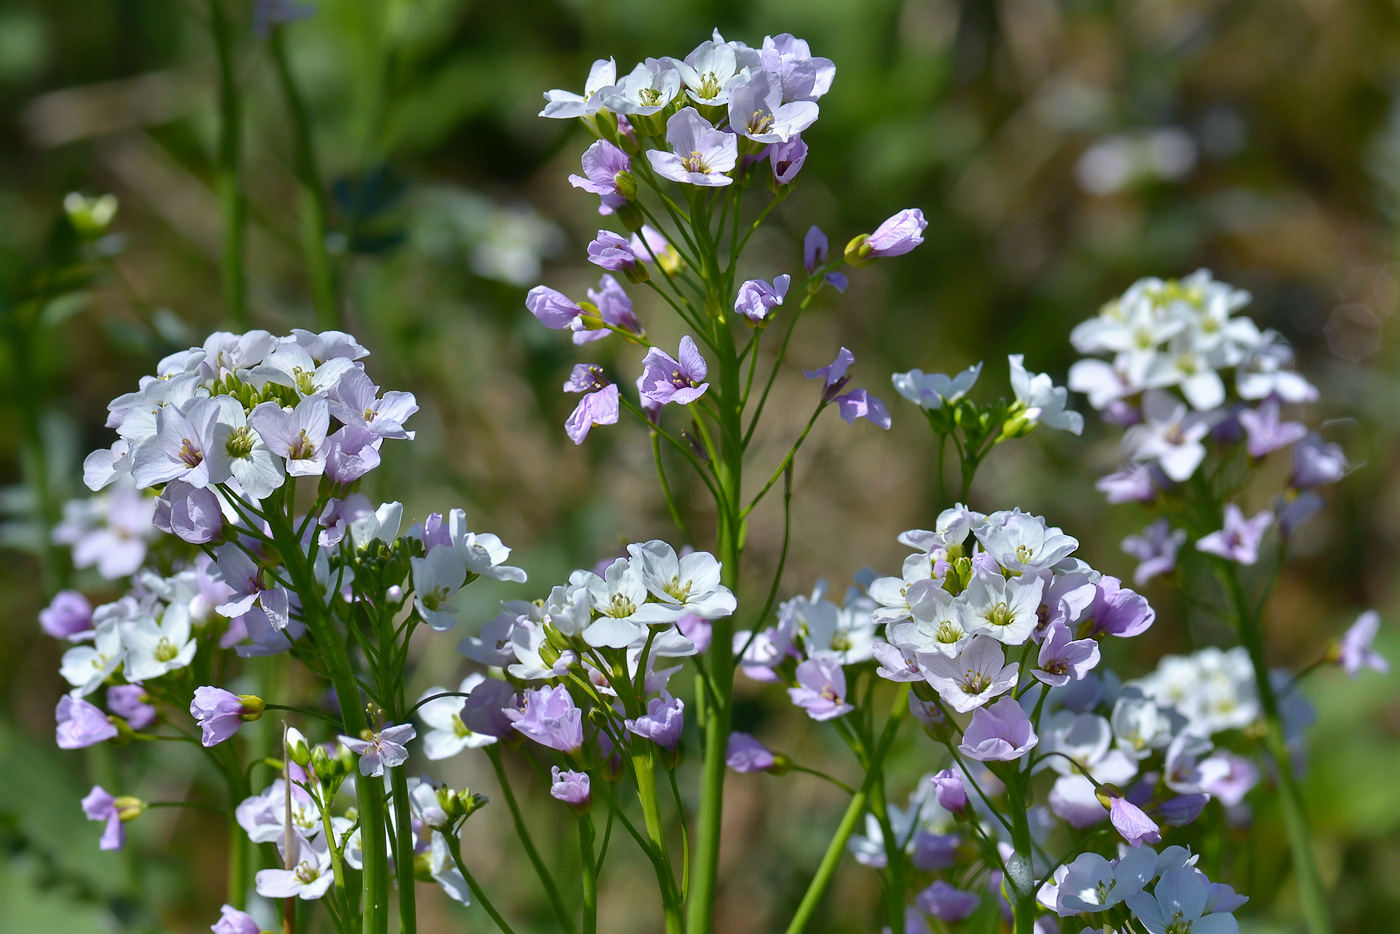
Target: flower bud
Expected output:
[320,762]
[858,251]
[636,273]
[90,217]
[128,808]
[626,186]
[782,764]
[630,216]
[253,707]
[297,749]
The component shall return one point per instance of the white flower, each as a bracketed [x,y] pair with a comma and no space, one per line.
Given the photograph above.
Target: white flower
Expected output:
[935,624]
[709,71]
[382,525]
[932,390]
[1093,884]
[436,580]
[617,597]
[238,451]
[1043,400]
[1022,542]
[180,445]
[1140,725]
[976,675]
[152,648]
[482,551]
[566,104]
[1003,608]
[684,584]
[291,365]
[893,594]
[649,88]
[1168,435]
[309,877]
[448,735]
[86,667]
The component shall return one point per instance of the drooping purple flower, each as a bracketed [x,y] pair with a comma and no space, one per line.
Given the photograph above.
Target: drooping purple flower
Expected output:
[1156,549]
[128,701]
[68,615]
[786,159]
[898,234]
[1317,463]
[804,76]
[1265,433]
[599,406]
[552,308]
[612,252]
[860,404]
[1131,822]
[1181,810]
[999,732]
[1294,510]
[667,379]
[485,710]
[99,805]
[757,298]
[746,754]
[821,689]
[1118,611]
[649,246]
[550,718]
[814,256]
[948,788]
[602,164]
[220,713]
[834,375]
[1239,540]
[570,787]
[81,724]
[1063,658]
[700,154]
[233,921]
[947,903]
[614,308]
[351,453]
[662,722]
[1135,483]
[190,513]
[381,750]
[935,851]
[1355,652]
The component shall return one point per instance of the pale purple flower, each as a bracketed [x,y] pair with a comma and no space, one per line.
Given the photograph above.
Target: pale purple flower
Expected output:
[81,724]
[860,404]
[109,532]
[101,806]
[698,630]
[1265,433]
[599,405]
[700,154]
[834,375]
[485,711]
[552,308]
[999,732]
[746,754]
[351,453]
[972,678]
[649,246]
[935,851]
[814,256]
[1317,463]
[1156,549]
[1236,782]
[1355,652]
[1178,903]
[1132,824]
[128,701]
[356,402]
[1239,540]
[1135,483]
[757,111]
[948,788]
[1118,611]
[614,308]
[610,251]
[299,434]
[550,718]
[786,159]
[602,163]
[667,379]
[803,76]
[570,787]
[563,105]
[384,749]
[757,298]
[310,876]
[821,689]
[898,234]
[218,713]
[233,921]
[662,723]
[179,448]
[1181,810]
[68,616]
[946,903]
[1062,658]
[192,514]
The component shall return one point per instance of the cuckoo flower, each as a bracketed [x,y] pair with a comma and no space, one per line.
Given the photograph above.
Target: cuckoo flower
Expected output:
[101,806]
[551,719]
[932,390]
[384,749]
[81,724]
[646,90]
[803,76]
[447,734]
[310,875]
[129,701]
[553,309]
[299,434]
[662,722]
[666,379]
[1156,549]
[1064,659]
[614,309]
[821,689]
[757,298]
[240,452]
[834,375]
[612,252]
[220,713]
[1239,540]
[860,404]
[1265,433]
[570,787]
[787,159]
[233,921]
[602,164]
[1044,402]
[976,675]
[68,616]
[1178,905]
[757,111]
[356,402]
[814,256]
[897,235]
[180,447]
[947,903]
[599,405]
[701,155]
[746,754]
[999,732]
[1355,652]
[949,790]
[564,105]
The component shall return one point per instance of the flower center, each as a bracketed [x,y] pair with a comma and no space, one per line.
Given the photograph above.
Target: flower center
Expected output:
[709,86]
[302,448]
[695,162]
[1001,615]
[620,606]
[165,650]
[681,381]
[760,122]
[240,443]
[975,682]
[949,632]
[190,454]
[678,590]
[651,97]
[307,873]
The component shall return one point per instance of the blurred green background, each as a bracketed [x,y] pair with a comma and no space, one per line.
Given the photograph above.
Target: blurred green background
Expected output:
[1059,151]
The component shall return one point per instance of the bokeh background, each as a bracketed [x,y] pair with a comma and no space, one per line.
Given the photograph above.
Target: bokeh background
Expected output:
[1060,149]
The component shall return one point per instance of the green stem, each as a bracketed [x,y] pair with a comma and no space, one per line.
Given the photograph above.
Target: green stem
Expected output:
[523,832]
[454,846]
[1311,891]
[403,834]
[233,208]
[894,857]
[1019,879]
[644,767]
[590,874]
[313,196]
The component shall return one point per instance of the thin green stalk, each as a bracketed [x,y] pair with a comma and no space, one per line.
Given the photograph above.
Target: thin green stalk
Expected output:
[1019,878]
[644,769]
[233,207]
[1311,891]
[403,835]
[590,874]
[454,846]
[894,856]
[313,196]
[523,833]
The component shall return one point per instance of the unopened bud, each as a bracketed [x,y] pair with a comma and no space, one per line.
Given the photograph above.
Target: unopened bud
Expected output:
[1105,793]
[626,185]
[636,273]
[90,217]
[297,749]
[320,761]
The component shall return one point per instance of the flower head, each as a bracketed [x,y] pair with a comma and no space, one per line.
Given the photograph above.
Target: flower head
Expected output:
[381,750]
[551,719]
[757,298]
[700,154]
[1239,540]
[666,379]
[570,787]
[999,732]
[81,724]
[746,754]
[821,689]
[1355,652]
[220,713]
